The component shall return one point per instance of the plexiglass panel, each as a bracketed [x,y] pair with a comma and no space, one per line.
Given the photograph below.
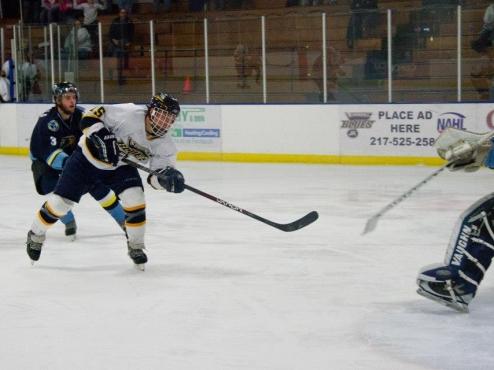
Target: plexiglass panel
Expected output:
[424,58]
[235,53]
[425,55]
[179,60]
[477,58]
[293,42]
[357,57]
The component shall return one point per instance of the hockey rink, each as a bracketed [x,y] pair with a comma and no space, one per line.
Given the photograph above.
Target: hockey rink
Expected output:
[224,291]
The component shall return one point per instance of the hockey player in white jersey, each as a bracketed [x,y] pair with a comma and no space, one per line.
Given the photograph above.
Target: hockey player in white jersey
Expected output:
[110,133]
[455,282]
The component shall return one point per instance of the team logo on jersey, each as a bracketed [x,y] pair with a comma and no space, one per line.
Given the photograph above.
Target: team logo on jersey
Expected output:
[53,126]
[132,148]
[356,121]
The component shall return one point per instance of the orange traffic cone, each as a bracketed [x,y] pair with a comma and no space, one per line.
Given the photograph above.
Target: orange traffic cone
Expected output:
[187,85]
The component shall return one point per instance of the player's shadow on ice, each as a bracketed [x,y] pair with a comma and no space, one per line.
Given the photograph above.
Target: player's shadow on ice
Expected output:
[98,236]
[154,270]
[480,305]
[200,272]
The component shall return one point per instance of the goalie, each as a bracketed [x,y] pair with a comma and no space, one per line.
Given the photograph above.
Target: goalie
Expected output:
[471,248]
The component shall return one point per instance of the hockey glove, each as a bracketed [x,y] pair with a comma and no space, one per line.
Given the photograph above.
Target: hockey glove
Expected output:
[171,179]
[466,156]
[103,145]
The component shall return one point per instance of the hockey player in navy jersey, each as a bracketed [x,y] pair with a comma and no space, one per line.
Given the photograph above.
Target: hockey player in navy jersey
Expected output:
[111,132]
[53,140]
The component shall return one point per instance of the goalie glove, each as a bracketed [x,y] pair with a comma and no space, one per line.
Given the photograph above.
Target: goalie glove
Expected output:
[466,155]
[169,178]
[103,144]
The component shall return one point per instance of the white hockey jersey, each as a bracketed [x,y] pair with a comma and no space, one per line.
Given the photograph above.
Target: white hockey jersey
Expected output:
[127,122]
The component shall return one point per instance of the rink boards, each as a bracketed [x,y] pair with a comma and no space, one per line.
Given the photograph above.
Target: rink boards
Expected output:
[347,134]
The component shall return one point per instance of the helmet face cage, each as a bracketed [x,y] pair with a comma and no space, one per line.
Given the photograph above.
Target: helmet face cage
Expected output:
[161,121]
[163,110]
[63,88]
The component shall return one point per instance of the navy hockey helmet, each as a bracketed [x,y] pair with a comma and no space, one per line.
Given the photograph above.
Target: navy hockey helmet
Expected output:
[62,88]
[163,110]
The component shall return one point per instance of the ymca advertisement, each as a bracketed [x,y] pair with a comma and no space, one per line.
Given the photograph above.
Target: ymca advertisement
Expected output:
[403,130]
[198,129]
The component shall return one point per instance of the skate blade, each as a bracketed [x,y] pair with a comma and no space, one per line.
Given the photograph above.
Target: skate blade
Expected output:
[454,305]
[71,237]
[140,266]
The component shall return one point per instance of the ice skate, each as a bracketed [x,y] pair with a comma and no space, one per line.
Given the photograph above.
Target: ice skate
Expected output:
[34,244]
[136,253]
[70,230]
[442,286]
[451,300]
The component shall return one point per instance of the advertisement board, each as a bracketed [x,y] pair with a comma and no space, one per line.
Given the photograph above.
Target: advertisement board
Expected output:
[401,130]
[198,129]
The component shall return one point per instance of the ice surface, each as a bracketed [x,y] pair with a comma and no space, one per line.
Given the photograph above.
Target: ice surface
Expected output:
[223,291]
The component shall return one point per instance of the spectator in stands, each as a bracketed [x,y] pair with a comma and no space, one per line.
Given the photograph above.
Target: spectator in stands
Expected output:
[31,10]
[128,4]
[82,42]
[4,88]
[167,4]
[9,68]
[361,18]
[246,64]
[482,75]
[90,11]
[66,11]
[28,74]
[486,35]
[334,61]
[49,11]
[121,37]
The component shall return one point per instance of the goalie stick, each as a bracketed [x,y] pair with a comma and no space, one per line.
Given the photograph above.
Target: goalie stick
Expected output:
[372,222]
[292,226]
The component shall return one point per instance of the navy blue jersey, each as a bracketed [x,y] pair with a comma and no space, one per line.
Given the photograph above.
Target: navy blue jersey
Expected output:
[54,139]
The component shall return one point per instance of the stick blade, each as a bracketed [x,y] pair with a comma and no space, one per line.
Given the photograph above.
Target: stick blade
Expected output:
[300,223]
[370,225]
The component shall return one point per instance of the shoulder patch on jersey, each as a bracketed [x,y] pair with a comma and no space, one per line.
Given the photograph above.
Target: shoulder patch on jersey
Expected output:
[53,126]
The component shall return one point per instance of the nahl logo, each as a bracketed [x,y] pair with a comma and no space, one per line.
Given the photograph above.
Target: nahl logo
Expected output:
[355,121]
[450,119]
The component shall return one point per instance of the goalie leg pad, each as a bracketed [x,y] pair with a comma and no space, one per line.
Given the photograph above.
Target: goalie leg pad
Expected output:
[471,247]
[467,259]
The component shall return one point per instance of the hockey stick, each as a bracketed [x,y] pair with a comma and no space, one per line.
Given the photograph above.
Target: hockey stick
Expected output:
[372,222]
[292,226]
